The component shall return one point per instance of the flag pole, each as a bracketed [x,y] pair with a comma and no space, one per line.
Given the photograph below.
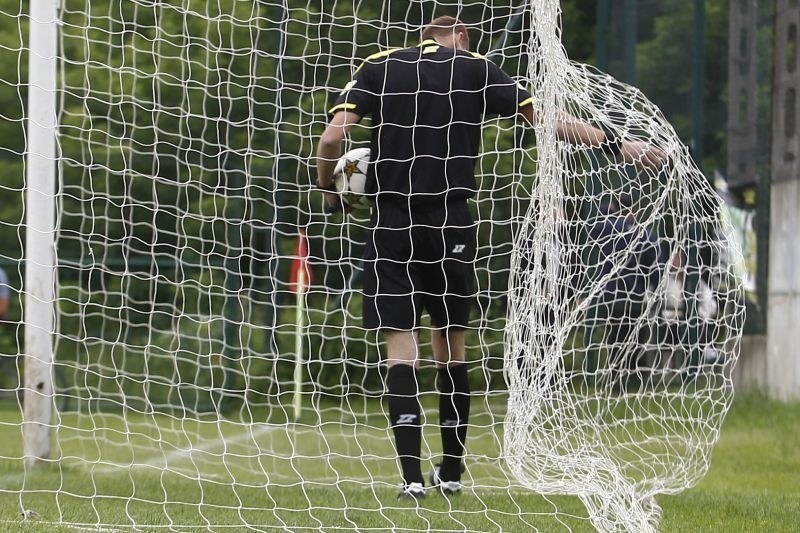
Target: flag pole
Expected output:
[301,279]
[298,342]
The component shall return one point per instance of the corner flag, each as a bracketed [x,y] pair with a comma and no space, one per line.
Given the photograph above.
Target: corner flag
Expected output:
[300,278]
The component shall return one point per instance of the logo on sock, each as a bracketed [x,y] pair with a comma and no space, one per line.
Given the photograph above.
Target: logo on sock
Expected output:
[449,423]
[405,419]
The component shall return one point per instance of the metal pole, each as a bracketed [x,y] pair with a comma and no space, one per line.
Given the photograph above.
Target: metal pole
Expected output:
[698,81]
[514,24]
[299,364]
[631,36]
[40,204]
[601,35]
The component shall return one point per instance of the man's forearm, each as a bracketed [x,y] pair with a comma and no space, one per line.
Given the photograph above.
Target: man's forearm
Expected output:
[575,131]
[570,129]
[639,153]
[327,155]
[329,148]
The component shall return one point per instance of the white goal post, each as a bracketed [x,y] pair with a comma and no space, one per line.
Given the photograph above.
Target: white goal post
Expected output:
[40,252]
[177,375]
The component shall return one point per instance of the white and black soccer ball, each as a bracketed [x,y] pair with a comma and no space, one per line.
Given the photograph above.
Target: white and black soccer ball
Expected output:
[350,178]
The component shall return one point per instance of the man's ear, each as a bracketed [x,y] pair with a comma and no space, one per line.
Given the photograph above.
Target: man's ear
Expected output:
[465,40]
[463,43]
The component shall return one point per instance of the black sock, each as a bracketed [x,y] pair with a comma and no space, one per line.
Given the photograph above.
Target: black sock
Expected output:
[453,418]
[404,415]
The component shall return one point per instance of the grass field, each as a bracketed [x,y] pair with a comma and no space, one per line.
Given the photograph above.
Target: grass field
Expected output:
[287,477]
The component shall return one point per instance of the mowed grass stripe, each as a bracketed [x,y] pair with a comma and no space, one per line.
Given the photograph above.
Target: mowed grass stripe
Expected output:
[752,484]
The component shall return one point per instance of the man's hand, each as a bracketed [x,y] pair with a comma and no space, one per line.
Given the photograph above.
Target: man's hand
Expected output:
[332,198]
[642,154]
[639,153]
[334,204]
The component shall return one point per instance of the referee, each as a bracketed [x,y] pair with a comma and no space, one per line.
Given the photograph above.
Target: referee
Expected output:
[427,105]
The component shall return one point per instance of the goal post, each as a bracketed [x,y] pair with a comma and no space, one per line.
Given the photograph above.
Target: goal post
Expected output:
[170,162]
[40,235]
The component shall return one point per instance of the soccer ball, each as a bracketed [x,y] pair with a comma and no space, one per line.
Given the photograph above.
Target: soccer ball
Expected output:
[350,178]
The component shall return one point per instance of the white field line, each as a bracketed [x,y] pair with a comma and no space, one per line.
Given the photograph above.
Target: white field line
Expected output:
[172,460]
[12,480]
[252,433]
[185,454]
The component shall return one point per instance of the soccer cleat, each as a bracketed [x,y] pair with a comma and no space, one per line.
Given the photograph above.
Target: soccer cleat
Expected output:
[448,488]
[412,491]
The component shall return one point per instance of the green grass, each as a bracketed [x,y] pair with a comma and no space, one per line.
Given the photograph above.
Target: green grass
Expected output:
[336,475]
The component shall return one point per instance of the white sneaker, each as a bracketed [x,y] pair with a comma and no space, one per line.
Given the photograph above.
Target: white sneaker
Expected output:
[412,491]
[448,488]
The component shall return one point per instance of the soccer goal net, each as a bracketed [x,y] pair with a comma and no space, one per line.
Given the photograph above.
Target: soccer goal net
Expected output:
[624,321]
[210,368]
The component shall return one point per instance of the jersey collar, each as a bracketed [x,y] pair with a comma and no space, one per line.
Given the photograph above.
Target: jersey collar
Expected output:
[430,42]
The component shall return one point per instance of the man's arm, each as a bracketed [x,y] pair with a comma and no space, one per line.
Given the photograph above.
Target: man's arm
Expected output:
[329,150]
[575,131]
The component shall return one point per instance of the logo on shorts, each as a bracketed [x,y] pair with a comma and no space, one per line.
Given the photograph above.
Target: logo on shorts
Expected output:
[458,248]
[405,419]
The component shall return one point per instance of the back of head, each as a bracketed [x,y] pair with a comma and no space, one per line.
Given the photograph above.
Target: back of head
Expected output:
[446,29]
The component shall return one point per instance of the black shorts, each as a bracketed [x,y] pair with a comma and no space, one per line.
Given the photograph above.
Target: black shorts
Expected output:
[424,262]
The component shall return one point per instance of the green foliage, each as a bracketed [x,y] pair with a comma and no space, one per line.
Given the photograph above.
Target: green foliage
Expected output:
[13,96]
[664,75]
[187,142]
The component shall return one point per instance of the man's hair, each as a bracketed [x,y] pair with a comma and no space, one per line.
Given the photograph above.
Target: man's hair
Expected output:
[444,26]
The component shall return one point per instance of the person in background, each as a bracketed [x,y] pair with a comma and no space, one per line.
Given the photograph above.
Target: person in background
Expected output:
[620,305]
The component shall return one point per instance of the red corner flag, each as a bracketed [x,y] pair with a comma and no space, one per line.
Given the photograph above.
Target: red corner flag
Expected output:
[300,278]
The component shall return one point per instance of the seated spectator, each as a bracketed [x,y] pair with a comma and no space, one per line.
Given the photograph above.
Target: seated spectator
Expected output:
[627,257]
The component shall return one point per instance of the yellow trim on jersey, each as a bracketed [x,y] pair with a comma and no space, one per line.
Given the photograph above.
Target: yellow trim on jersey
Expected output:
[378,55]
[527,101]
[384,53]
[431,45]
[341,107]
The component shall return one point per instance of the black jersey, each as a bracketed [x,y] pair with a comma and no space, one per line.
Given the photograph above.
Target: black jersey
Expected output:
[427,104]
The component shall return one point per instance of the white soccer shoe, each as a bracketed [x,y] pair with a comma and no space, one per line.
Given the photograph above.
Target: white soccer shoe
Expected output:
[412,491]
[448,488]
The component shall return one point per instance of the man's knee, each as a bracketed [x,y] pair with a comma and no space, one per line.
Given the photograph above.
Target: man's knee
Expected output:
[401,347]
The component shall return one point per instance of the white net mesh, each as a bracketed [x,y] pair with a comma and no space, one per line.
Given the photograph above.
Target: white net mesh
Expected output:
[186,137]
[623,325]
